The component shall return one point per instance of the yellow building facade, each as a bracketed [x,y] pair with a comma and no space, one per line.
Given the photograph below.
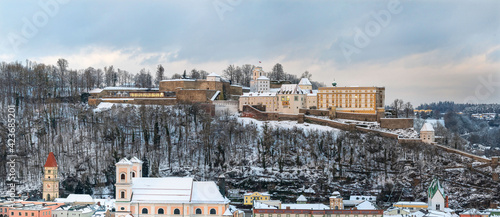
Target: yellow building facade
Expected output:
[352,99]
[250,197]
[50,179]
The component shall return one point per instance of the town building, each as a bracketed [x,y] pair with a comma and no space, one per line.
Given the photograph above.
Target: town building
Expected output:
[170,92]
[301,199]
[427,133]
[27,210]
[365,209]
[77,199]
[50,179]
[411,205]
[368,100]
[251,196]
[74,211]
[171,196]
[436,198]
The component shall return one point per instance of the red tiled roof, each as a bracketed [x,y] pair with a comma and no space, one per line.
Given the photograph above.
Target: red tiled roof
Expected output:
[51,160]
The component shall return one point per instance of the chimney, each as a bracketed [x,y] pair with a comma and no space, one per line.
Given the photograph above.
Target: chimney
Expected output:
[446,202]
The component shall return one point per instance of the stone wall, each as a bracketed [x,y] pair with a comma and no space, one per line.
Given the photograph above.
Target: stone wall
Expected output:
[195,95]
[251,112]
[315,112]
[396,123]
[356,116]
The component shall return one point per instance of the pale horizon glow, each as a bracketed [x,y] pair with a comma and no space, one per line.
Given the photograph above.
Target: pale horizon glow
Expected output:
[424,52]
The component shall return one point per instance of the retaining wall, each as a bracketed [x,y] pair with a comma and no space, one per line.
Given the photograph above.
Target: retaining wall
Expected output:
[396,123]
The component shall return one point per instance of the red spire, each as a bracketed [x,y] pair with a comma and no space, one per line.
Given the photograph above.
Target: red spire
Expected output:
[51,160]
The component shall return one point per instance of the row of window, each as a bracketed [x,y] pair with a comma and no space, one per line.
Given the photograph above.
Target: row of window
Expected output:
[198,211]
[347,91]
[25,213]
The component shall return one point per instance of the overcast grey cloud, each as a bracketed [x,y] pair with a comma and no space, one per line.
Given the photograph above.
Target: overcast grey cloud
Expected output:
[429,51]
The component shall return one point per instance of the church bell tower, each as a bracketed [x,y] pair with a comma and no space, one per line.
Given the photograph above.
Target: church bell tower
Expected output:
[50,178]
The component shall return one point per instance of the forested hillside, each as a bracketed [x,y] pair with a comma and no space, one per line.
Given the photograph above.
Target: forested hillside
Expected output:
[183,140]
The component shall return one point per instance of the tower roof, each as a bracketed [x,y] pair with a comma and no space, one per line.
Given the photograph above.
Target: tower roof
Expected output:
[305,81]
[51,160]
[434,188]
[427,127]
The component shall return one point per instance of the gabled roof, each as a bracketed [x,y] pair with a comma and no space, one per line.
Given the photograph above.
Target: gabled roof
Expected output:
[427,127]
[51,160]
[162,190]
[206,192]
[213,74]
[304,81]
[291,89]
[434,188]
[302,199]
[124,161]
[262,78]
[366,205]
[136,160]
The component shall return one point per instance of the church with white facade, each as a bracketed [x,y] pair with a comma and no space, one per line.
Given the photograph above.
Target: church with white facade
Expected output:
[166,197]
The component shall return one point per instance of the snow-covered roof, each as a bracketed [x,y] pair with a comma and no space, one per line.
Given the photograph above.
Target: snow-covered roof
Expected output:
[335,194]
[262,77]
[253,94]
[96,90]
[304,81]
[427,127]
[206,192]
[363,197]
[129,88]
[312,93]
[135,160]
[411,203]
[302,199]
[261,193]
[213,74]
[261,205]
[167,190]
[366,205]
[124,161]
[180,79]
[291,89]
[351,202]
[82,198]
[230,210]
[311,206]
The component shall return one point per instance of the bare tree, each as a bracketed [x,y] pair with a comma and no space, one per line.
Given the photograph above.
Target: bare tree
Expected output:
[159,74]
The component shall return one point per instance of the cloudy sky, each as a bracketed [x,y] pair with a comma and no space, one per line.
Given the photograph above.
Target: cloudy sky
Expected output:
[421,51]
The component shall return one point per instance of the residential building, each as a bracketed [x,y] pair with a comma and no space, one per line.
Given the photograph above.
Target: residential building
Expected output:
[305,84]
[411,205]
[365,209]
[251,196]
[166,197]
[301,200]
[50,179]
[363,197]
[354,99]
[74,211]
[77,199]
[28,210]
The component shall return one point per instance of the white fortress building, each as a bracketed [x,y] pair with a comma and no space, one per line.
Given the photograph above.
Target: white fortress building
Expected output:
[165,197]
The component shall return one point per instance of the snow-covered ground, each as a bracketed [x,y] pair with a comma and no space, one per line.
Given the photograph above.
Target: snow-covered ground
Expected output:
[288,125]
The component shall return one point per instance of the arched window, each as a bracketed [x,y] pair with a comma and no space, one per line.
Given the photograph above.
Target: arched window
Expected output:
[122,176]
[336,207]
[198,211]
[213,211]
[161,211]
[48,198]
[144,211]
[177,212]
[133,174]
[122,194]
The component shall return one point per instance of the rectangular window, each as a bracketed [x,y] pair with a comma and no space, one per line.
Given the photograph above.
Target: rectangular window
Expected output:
[296,98]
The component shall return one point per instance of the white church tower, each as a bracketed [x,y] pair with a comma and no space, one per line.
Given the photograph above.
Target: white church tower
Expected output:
[259,83]
[436,198]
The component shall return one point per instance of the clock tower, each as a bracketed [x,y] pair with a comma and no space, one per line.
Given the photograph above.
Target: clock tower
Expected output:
[50,179]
